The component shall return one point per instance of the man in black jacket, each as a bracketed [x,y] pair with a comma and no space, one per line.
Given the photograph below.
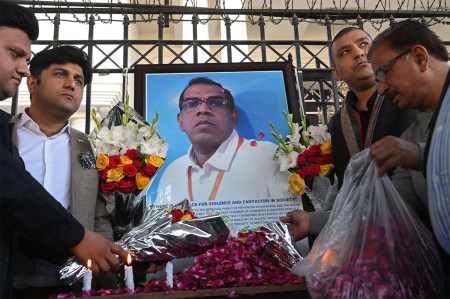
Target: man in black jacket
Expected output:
[28,211]
[365,117]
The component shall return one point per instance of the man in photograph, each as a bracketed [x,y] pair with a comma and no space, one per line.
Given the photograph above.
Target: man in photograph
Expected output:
[220,165]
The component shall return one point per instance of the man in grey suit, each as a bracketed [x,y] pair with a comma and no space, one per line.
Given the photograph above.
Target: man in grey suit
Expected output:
[52,152]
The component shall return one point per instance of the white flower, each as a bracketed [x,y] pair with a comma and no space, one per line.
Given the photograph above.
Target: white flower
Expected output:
[288,161]
[319,134]
[294,139]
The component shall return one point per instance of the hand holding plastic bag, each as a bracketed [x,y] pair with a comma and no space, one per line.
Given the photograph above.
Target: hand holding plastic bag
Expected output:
[373,245]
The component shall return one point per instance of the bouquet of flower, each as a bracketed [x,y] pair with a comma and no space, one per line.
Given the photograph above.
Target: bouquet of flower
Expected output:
[129,153]
[306,154]
[161,237]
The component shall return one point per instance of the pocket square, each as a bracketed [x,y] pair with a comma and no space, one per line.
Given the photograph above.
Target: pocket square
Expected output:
[87,160]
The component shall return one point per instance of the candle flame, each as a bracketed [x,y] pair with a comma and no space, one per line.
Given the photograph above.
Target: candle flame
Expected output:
[89,264]
[129,259]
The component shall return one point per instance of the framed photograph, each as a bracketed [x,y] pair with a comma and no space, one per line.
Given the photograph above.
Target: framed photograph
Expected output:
[262,91]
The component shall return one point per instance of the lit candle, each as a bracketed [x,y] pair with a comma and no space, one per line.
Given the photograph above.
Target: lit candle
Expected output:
[87,280]
[129,283]
[169,274]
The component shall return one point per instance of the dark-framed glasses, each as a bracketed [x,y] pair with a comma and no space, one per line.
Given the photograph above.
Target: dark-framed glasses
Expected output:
[380,75]
[213,103]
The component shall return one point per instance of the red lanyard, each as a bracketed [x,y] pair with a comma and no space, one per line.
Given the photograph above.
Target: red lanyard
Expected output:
[212,196]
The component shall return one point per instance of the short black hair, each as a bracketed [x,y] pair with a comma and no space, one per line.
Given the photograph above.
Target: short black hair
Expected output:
[339,35]
[406,34]
[204,80]
[16,16]
[61,55]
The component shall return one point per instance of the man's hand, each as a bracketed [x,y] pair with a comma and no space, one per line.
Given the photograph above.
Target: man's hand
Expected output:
[100,251]
[391,151]
[299,223]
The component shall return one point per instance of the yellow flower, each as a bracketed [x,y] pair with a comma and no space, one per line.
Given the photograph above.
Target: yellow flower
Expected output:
[102,162]
[186,217]
[115,174]
[155,161]
[142,181]
[325,148]
[126,160]
[296,184]
[325,169]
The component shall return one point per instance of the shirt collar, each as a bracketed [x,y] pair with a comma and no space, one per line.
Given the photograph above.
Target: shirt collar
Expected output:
[352,99]
[25,121]
[222,157]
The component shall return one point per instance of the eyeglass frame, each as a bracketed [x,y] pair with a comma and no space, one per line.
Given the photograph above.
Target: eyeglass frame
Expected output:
[380,75]
[226,104]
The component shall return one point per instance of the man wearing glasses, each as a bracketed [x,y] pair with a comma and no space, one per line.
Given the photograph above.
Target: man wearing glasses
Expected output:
[364,118]
[418,77]
[220,165]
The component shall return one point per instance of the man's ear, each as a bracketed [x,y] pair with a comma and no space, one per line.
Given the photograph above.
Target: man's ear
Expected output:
[336,73]
[235,116]
[180,121]
[421,57]
[31,83]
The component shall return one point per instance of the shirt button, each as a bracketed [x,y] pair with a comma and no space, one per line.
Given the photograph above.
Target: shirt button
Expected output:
[436,180]
[202,181]
[439,128]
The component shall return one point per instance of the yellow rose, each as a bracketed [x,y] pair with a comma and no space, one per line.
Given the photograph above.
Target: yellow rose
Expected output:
[142,182]
[325,148]
[115,174]
[155,161]
[325,169]
[102,162]
[296,184]
[126,160]
[186,217]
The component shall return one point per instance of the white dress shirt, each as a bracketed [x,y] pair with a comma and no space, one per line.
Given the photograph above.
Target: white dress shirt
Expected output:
[47,159]
[253,190]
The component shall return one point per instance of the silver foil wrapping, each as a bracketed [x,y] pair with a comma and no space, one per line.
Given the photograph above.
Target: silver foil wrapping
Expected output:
[156,238]
[280,244]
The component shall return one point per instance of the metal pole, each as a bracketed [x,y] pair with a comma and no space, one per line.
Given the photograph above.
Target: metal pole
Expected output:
[89,86]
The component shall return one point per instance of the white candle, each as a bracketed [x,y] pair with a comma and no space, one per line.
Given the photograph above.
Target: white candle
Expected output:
[129,281]
[87,279]
[169,274]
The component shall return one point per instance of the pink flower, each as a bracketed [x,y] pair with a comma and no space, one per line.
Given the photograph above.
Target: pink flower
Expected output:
[261,135]
[253,143]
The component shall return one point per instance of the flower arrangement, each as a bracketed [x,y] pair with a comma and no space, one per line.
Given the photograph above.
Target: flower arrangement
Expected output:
[306,153]
[128,154]
[180,214]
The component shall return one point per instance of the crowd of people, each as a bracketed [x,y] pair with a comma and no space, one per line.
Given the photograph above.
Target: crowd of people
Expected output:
[397,107]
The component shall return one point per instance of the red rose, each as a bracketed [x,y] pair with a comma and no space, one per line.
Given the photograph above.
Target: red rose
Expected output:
[126,186]
[137,164]
[108,187]
[132,154]
[311,153]
[114,161]
[104,173]
[301,160]
[176,215]
[129,170]
[149,170]
[329,158]
[187,212]
[321,160]
[313,170]
[302,172]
